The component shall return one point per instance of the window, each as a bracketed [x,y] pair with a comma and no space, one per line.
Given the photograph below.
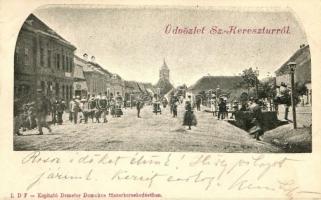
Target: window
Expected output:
[67,64]
[58,61]
[63,63]
[70,64]
[42,57]
[27,56]
[49,58]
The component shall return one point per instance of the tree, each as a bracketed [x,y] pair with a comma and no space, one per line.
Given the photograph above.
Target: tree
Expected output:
[266,90]
[300,89]
[249,78]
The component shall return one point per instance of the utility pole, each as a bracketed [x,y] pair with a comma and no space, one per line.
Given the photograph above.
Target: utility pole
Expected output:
[292,66]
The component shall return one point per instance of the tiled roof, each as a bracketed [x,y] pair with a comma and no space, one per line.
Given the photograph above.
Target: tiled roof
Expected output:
[34,24]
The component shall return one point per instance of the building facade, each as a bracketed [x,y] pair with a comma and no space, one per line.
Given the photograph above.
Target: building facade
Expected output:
[80,83]
[43,60]
[302,75]
[117,85]
[95,79]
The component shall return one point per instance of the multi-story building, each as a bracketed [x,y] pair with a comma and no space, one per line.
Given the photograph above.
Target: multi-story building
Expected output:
[95,79]
[43,60]
[80,83]
[117,85]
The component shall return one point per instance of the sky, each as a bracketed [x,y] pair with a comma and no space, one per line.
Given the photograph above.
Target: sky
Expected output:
[132,41]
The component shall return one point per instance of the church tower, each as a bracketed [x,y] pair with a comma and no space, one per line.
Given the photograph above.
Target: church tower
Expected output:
[164,72]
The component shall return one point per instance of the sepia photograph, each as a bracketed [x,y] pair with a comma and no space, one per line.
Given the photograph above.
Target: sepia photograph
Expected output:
[162,79]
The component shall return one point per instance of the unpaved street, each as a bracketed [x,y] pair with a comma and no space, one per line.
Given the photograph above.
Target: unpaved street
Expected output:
[149,133]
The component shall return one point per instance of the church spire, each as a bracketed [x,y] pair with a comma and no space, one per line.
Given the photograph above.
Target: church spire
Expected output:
[164,64]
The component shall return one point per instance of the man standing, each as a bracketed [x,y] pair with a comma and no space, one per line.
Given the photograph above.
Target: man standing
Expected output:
[174,107]
[103,106]
[76,109]
[54,111]
[84,107]
[257,121]
[198,103]
[139,105]
[71,114]
[42,108]
[60,111]
[221,109]
[31,115]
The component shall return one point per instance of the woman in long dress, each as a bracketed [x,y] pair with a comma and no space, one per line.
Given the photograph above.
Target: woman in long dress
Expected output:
[118,108]
[213,106]
[189,117]
[156,105]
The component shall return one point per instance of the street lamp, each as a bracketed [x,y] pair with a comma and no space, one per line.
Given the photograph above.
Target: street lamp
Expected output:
[292,66]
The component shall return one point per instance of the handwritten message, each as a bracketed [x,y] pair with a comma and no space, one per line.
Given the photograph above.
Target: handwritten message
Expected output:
[206,171]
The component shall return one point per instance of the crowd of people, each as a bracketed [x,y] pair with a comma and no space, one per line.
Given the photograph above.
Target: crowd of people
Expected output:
[34,114]
[95,108]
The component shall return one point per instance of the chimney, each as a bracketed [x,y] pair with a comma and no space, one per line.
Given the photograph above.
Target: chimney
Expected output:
[92,59]
[85,56]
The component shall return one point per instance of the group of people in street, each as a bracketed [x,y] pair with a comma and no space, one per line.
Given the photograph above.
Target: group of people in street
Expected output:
[34,115]
[221,109]
[174,101]
[95,107]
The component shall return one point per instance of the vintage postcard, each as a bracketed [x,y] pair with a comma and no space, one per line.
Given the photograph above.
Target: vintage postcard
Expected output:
[160,100]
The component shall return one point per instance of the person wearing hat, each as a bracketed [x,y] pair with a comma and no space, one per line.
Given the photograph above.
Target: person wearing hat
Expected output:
[213,105]
[235,108]
[112,105]
[54,111]
[175,105]
[60,110]
[103,106]
[198,103]
[74,109]
[71,103]
[84,107]
[139,106]
[257,120]
[221,109]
